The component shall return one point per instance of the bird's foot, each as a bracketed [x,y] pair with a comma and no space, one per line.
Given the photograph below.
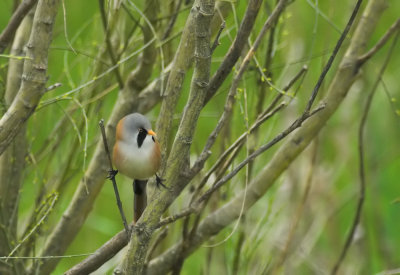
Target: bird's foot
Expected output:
[159,182]
[112,174]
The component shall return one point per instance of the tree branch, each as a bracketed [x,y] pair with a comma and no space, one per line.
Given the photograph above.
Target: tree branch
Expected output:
[108,43]
[12,161]
[333,55]
[102,255]
[34,76]
[134,259]
[16,19]
[236,48]
[381,43]
[361,149]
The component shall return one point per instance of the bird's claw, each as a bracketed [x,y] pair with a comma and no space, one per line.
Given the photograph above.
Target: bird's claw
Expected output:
[159,182]
[112,174]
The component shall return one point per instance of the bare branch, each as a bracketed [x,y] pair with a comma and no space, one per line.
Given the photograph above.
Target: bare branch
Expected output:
[16,19]
[235,83]
[216,41]
[381,42]
[236,49]
[296,124]
[333,55]
[172,21]
[13,160]
[176,217]
[102,255]
[268,113]
[111,176]
[109,45]
[34,76]
[361,149]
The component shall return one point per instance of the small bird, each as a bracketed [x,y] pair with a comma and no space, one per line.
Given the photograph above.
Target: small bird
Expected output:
[137,154]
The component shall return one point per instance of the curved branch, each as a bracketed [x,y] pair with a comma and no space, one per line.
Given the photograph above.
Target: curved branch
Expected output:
[16,19]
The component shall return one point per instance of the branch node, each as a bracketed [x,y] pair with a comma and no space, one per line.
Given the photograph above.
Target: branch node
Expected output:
[201,84]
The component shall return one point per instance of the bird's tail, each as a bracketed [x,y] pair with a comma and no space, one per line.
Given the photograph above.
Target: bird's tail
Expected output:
[140,200]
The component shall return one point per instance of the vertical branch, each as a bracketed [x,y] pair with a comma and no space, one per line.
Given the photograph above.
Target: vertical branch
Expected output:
[182,61]
[111,176]
[34,76]
[12,161]
[134,259]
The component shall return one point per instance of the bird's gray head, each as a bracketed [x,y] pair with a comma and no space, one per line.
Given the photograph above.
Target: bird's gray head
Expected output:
[135,121]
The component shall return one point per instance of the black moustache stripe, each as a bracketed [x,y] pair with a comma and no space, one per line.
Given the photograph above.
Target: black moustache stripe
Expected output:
[141,136]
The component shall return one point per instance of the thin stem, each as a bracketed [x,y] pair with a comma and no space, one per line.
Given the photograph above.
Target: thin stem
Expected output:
[296,124]
[333,55]
[111,176]
[172,21]
[109,45]
[380,43]
[216,41]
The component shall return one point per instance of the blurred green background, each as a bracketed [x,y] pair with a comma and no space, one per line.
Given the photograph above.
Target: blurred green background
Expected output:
[302,38]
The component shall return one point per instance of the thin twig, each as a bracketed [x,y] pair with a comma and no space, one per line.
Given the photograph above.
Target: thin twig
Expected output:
[45,257]
[267,114]
[111,176]
[54,86]
[333,55]
[172,21]
[236,48]
[360,203]
[239,141]
[109,45]
[65,27]
[198,205]
[362,59]
[38,224]
[176,217]
[286,88]
[296,124]
[216,41]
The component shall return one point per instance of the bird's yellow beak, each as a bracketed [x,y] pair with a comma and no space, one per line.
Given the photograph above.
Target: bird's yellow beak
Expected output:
[151,133]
